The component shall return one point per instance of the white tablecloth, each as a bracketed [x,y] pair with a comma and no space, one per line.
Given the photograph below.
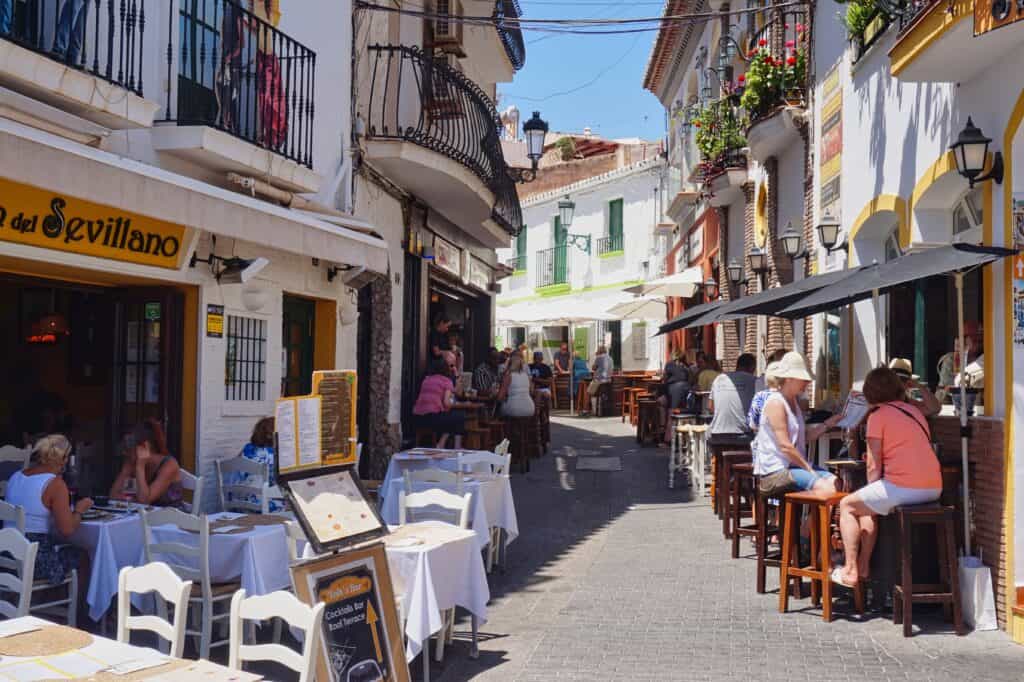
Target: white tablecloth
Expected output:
[443,572]
[410,460]
[112,544]
[491,504]
[257,558]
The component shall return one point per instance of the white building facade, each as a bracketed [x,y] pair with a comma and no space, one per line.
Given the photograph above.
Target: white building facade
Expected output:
[171,146]
[575,273]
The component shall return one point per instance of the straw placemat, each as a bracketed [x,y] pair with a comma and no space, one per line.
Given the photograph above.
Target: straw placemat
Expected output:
[46,641]
[139,676]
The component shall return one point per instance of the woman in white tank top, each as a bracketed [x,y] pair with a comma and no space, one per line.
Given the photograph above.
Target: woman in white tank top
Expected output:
[42,493]
[781,444]
[516,389]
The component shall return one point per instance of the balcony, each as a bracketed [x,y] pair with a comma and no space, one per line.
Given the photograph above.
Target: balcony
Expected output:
[433,131]
[610,246]
[948,42]
[553,270]
[506,14]
[243,97]
[84,57]
[517,264]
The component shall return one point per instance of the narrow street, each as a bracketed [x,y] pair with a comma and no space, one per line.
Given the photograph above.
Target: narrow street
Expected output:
[616,577]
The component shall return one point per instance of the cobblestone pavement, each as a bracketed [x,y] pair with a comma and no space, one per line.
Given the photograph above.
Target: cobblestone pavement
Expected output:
[616,577]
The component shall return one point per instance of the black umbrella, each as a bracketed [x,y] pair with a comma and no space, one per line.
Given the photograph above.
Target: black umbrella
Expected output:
[870,282]
[696,311]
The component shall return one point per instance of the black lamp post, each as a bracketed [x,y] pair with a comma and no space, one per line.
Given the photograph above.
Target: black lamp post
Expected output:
[710,289]
[791,239]
[566,211]
[535,130]
[970,151]
[735,270]
[758,263]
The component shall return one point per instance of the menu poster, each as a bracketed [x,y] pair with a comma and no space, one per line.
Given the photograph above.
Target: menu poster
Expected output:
[297,425]
[333,509]
[337,391]
[308,430]
[360,634]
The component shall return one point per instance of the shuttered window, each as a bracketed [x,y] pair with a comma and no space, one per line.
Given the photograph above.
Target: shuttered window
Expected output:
[615,225]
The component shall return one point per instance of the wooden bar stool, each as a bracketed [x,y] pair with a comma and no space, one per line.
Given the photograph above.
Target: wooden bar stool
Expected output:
[906,593]
[728,460]
[767,525]
[582,396]
[744,492]
[522,436]
[819,571]
[648,425]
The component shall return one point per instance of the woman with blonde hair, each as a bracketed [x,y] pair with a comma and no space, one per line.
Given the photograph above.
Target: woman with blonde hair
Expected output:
[516,389]
[44,496]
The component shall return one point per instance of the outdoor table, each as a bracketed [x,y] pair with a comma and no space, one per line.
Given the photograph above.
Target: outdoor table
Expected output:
[422,458]
[256,557]
[71,653]
[491,504]
[112,544]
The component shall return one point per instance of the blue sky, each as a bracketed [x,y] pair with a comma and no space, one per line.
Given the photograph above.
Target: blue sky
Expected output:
[605,73]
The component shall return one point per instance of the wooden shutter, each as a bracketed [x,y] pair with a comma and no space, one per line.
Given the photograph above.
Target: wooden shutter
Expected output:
[615,224]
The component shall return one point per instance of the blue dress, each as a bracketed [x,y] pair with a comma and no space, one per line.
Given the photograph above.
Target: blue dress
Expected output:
[579,371]
[263,455]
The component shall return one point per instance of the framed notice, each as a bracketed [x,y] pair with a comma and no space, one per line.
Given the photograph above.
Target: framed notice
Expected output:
[361,633]
[297,423]
[337,391]
[333,509]
[215,321]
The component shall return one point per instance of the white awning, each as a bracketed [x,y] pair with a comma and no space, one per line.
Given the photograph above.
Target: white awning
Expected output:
[45,160]
[561,311]
[683,284]
[640,308]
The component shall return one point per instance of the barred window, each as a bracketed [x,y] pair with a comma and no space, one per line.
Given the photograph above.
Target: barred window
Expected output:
[245,371]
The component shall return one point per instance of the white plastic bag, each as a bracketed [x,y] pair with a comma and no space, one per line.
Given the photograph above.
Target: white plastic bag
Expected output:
[976,597]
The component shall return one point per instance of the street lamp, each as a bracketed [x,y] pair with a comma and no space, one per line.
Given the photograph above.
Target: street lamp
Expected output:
[535,130]
[758,263]
[828,233]
[735,270]
[970,151]
[566,211]
[710,289]
[790,239]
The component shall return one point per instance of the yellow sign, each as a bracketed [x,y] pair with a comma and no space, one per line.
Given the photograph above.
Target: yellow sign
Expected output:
[51,220]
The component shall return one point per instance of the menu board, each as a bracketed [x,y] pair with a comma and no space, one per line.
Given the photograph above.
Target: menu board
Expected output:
[297,424]
[360,635]
[333,509]
[337,391]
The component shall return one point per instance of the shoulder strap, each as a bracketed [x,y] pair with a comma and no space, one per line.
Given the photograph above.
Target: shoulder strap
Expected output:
[927,434]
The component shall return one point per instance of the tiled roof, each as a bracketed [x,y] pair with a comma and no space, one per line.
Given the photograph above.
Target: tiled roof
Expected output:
[669,41]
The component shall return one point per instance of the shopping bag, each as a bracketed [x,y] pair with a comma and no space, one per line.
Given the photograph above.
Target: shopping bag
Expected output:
[976,597]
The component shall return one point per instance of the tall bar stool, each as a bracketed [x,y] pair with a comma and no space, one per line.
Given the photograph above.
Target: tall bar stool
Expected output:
[906,593]
[728,460]
[820,569]
[698,435]
[744,504]
[648,425]
[767,524]
[681,453]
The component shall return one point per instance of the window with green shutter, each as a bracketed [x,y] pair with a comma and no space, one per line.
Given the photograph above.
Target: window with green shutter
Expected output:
[612,244]
[520,263]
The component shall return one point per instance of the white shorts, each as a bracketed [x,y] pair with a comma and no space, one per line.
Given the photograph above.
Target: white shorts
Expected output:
[882,497]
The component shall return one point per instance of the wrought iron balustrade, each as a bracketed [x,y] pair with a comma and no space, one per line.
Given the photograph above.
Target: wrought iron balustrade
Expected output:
[907,12]
[101,37]
[240,74]
[782,34]
[517,263]
[609,244]
[419,98]
[506,15]
[553,266]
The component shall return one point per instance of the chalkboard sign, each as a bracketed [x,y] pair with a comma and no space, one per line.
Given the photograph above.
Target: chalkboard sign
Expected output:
[362,639]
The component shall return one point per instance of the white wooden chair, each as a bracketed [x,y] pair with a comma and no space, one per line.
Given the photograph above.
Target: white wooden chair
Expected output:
[205,595]
[501,449]
[14,517]
[439,477]
[160,578]
[19,582]
[288,608]
[295,535]
[190,481]
[12,453]
[236,497]
[436,505]
[485,462]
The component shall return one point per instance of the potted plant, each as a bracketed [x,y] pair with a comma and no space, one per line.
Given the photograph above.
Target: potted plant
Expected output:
[771,81]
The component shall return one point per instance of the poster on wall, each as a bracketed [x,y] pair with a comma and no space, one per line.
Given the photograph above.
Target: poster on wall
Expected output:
[1018,220]
[479,274]
[361,633]
[447,256]
[1018,301]
[830,155]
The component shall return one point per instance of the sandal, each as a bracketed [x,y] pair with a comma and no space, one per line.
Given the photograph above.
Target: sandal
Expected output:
[837,577]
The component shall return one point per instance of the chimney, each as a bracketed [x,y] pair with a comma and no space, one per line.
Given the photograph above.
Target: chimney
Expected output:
[587,132]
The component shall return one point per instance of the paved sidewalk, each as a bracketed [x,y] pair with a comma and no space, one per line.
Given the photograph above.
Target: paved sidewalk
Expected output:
[616,577]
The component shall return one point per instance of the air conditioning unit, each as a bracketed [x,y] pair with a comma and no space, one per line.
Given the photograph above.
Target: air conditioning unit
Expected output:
[446,27]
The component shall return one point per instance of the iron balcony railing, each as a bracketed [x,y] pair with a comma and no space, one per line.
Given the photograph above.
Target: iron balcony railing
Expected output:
[517,263]
[609,244]
[553,266]
[783,33]
[239,74]
[101,37]
[420,98]
[906,11]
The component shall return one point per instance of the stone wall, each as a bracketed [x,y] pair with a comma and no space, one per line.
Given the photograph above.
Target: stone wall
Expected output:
[384,438]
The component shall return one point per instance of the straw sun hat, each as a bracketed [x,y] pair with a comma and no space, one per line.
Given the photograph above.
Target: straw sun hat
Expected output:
[770,370]
[903,368]
[792,366]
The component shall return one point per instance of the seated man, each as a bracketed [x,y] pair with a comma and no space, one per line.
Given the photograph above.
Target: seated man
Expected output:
[730,400]
[563,360]
[542,379]
[486,376]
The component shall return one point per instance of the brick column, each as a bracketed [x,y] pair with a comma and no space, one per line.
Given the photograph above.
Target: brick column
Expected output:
[384,438]
[750,336]
[730,329]
[780,332]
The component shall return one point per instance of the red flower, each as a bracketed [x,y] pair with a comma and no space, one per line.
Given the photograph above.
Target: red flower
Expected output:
[696,124]
[751,54]
[791,60]
[799,28]
[785,25]
[762,42]
[790,43]
[742,78]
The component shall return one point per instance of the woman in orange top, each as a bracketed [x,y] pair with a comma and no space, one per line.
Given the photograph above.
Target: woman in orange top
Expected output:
[902,469]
